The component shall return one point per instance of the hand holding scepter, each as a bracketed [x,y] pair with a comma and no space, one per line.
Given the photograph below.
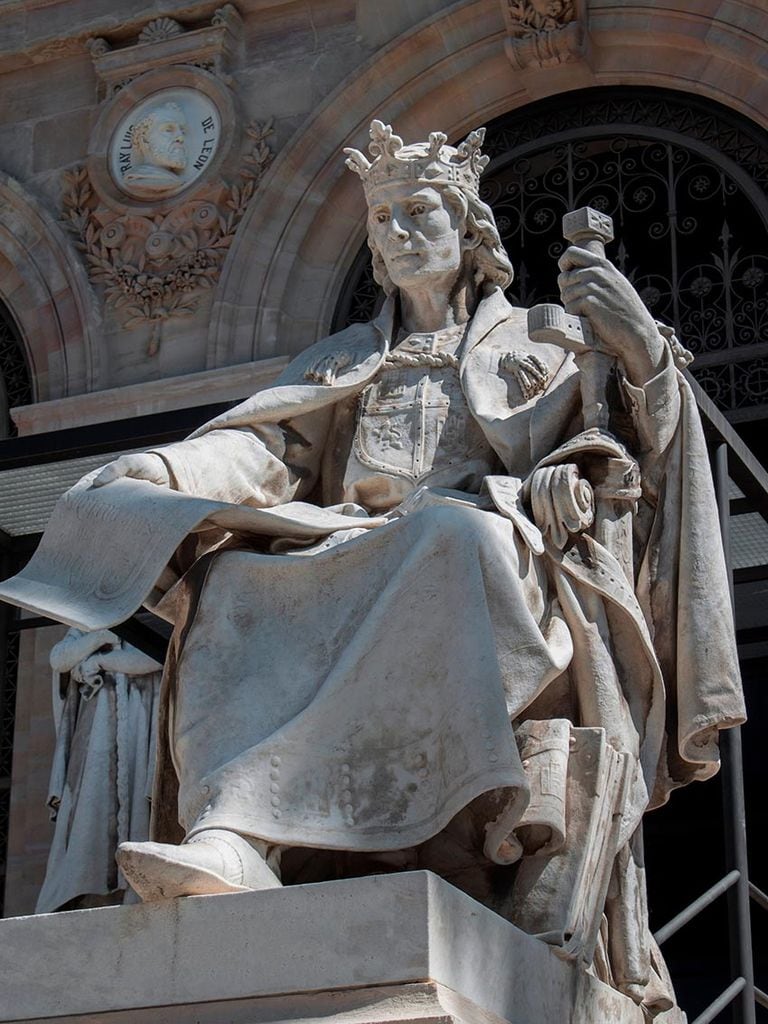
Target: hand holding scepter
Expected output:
[602,320]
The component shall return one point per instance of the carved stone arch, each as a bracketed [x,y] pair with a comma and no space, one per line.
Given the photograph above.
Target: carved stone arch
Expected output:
[15,378]
[44,286]
[294,248]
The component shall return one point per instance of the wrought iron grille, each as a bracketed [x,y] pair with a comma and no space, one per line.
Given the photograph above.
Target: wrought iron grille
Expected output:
[685,182]
[15,382]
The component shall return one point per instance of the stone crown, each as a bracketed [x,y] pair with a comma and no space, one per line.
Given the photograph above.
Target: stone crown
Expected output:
[422,163]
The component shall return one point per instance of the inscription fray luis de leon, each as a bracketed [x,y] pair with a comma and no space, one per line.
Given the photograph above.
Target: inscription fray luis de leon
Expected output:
[164,144]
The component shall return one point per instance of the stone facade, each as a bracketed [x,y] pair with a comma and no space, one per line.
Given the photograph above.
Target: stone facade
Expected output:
[315,74]
[297,82]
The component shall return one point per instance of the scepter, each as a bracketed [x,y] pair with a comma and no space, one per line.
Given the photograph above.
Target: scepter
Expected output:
[616,493]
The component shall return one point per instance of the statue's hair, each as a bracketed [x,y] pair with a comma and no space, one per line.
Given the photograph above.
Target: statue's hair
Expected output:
[140,132]
[488,260]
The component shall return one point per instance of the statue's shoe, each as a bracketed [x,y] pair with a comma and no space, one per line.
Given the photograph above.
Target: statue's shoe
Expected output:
[213,861]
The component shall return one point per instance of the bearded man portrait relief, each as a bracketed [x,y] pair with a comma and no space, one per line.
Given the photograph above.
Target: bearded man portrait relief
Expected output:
[521,642]
[158,152]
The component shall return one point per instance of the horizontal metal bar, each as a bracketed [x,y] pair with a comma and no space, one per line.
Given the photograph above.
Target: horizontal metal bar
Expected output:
[144,637]
[761,997]
[758,896]
[752,635]
[721,1002]
[73,442]
[750,574]
[33,622]
[742,506]
[726,356]
[677,922]
[747,414]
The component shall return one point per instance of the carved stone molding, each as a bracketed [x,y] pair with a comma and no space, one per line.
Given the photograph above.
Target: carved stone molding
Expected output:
[156,265]
[544,33]
[215,47]
[44,288]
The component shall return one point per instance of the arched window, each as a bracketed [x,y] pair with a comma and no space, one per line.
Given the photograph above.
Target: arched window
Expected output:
[15,383]
[685,182]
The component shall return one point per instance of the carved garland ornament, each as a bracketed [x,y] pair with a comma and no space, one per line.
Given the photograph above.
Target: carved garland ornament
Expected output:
[154,268]
[543,33]
[531,16]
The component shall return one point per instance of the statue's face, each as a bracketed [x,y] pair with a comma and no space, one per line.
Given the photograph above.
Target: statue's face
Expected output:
[165,139]
[418,234]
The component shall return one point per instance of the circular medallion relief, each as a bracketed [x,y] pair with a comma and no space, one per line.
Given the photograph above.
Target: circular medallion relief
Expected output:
[164,143]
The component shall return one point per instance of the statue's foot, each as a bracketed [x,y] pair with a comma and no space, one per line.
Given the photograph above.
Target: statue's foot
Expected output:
[212,861]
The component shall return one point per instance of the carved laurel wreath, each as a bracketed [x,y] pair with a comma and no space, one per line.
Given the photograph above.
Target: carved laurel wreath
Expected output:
[155,268]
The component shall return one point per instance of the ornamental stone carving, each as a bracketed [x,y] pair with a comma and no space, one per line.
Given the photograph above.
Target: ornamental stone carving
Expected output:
[159,30]
[544,33]
[164,42]
[156,207]
[527,17]
[156,267]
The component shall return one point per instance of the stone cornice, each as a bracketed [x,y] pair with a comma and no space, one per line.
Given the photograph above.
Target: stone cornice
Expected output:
[230,383]
[37,31]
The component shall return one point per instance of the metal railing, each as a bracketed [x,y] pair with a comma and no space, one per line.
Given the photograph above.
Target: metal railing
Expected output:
[731,460]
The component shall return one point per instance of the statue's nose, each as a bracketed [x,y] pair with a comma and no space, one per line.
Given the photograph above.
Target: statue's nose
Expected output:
[396,229]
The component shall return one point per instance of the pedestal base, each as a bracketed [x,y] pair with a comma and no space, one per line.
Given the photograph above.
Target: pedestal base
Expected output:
[404,947]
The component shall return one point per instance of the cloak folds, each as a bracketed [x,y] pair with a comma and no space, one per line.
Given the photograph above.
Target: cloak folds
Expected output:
[286,669]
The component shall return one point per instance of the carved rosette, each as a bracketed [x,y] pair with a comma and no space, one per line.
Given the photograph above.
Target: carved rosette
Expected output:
[544,33]
[215,47]
[155,266]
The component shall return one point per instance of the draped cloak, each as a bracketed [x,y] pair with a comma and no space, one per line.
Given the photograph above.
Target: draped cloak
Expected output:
[358,694]
[100,784]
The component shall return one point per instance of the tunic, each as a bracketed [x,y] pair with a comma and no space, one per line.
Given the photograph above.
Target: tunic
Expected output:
[359,717]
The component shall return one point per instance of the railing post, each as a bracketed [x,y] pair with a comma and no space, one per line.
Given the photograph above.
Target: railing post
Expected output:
[5,794]
[734,816]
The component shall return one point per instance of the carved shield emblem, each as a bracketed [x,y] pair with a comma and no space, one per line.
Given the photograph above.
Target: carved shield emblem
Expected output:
[411,423]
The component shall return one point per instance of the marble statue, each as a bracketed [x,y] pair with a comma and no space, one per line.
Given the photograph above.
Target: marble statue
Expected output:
[105,696]
[158,152]
[522,638]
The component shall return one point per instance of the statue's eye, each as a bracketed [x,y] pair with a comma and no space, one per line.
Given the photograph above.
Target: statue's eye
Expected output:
[417,209]
[381,217]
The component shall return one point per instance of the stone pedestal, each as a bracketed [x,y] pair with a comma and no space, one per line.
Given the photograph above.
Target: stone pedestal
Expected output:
[393,948]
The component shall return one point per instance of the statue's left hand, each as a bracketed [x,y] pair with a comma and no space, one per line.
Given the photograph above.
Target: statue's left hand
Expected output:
[76,647]
[140,466]
[122,659]
[592,287]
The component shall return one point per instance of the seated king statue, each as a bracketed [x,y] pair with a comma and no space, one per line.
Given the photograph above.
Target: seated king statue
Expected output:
[522,641]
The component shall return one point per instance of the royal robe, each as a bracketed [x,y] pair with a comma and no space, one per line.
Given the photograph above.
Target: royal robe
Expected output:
[357,695]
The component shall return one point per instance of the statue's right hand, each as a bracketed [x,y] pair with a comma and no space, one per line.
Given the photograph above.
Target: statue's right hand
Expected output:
[142,466]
